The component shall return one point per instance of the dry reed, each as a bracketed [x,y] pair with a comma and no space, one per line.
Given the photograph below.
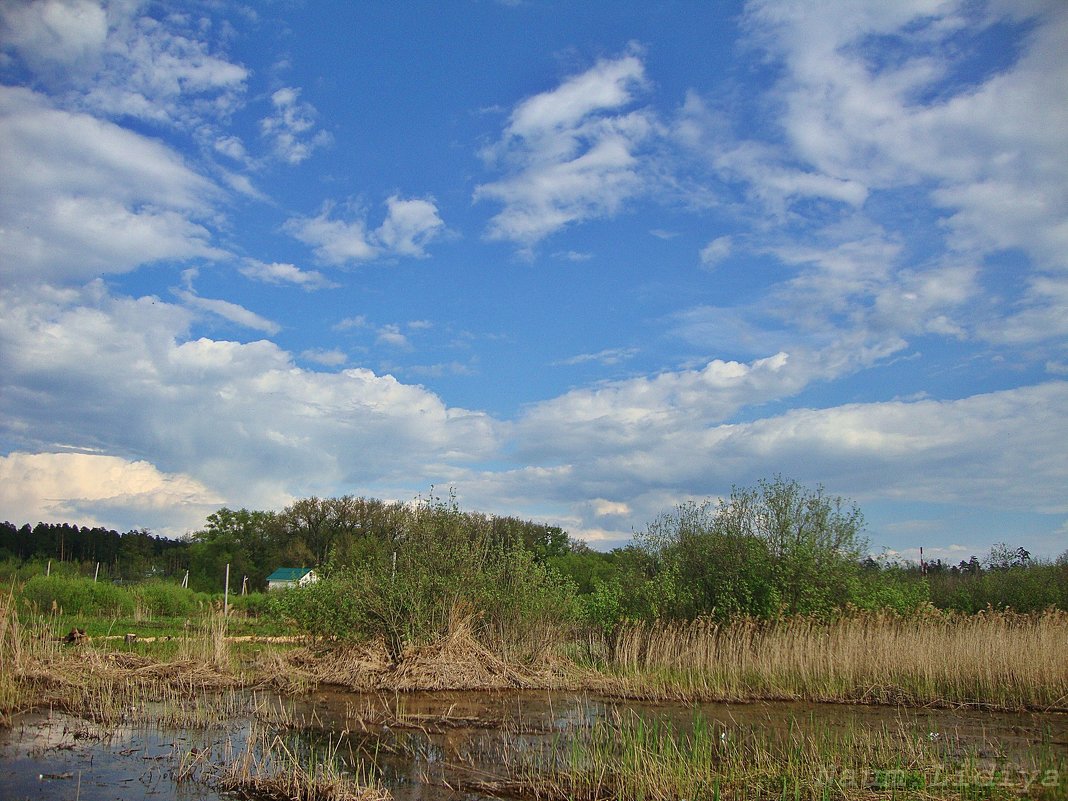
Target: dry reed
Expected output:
[268,768]
[995,660]
[457,661]
[38,668]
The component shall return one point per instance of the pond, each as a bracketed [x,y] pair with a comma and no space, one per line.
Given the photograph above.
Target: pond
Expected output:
[467,745]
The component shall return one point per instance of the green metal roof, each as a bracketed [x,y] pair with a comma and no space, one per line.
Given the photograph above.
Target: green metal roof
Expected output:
[289,574]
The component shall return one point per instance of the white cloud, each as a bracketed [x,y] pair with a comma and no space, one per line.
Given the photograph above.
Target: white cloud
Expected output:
[630,416]
[327,358]
[716,251]
[50,33]
[606,357]
[80,197]
[282,273]
[409,226]
[214,410]
[96,489]
[231,147]
[605,508]
[569,154]
[118,60]
[233,312]
[291,129]
[391,335]
[573,255]
[359,321]
[334,241]
[991,149]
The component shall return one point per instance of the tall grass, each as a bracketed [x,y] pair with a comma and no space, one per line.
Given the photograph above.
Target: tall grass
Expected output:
[998,660]
[627,756]
[270,767]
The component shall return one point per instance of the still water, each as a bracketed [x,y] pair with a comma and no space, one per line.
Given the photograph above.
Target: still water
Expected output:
[436,745]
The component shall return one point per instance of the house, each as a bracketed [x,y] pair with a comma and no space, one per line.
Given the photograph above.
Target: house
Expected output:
[286,577]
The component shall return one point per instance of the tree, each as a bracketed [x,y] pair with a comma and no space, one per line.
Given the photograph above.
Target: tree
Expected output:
[775,547]
[243,539]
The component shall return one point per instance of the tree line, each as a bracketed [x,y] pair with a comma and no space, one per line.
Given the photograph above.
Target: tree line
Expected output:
[776,548]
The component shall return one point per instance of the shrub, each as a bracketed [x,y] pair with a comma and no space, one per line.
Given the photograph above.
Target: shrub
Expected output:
[255,604]
[444,564]
[74,595]
[326,608]
[166,599]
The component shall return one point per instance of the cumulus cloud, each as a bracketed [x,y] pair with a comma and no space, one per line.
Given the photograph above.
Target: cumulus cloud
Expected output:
[631,415]
[409,226]
[241,419]
[291,128]
[97,489]
[998,451]
[569,154]
[118,60]
[284,273]
[80,197]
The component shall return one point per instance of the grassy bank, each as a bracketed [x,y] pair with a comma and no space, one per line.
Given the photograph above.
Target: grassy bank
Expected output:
[997,660]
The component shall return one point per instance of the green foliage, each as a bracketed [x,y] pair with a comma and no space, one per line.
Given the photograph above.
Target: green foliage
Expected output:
[73,595]
[893,588]
[442,564]
[329,607]
[776,548]
[255,604]
[242,539]
[1025,588]
[167,599]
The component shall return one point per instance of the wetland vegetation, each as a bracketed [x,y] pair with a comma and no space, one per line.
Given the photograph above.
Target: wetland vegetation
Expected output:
[740,649]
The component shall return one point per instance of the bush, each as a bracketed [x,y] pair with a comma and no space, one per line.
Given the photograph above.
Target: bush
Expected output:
[443,567]
[74,595]
[255,604]
[326,608]
[166,599]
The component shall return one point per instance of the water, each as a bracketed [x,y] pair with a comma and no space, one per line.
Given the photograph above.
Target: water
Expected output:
[439,745]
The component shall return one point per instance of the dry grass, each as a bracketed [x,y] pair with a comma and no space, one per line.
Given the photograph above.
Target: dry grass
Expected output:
[455,662]
[268,768]
[37,668]
[995,660]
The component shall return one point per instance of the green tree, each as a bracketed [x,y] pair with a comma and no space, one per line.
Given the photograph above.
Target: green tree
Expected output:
[246,540]
[776,547]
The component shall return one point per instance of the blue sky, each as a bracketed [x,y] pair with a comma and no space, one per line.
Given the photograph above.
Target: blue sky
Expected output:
[579,261]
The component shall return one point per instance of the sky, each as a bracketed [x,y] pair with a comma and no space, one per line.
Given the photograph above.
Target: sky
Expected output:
[578,262]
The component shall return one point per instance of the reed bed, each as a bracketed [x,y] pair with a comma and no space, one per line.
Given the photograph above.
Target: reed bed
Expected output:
[40,667]
[629,757]
[456,661]
[269,767]
[996,660]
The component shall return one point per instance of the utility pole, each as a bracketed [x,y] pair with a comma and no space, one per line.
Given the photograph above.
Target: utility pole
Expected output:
[226,592]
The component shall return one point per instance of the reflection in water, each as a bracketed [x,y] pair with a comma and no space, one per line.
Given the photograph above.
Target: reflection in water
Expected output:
[432,745]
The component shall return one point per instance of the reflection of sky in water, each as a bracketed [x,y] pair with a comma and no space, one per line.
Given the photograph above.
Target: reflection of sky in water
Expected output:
[421,742]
